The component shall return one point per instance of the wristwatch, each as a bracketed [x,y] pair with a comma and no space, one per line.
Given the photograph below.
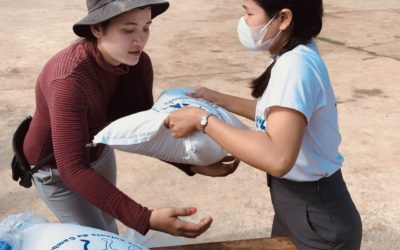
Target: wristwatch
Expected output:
[204,122]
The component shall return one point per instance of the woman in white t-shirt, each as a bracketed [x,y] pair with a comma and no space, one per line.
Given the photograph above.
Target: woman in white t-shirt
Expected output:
[297,137]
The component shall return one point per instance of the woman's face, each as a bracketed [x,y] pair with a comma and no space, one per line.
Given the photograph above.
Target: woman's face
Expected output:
[256,16]
[125,38]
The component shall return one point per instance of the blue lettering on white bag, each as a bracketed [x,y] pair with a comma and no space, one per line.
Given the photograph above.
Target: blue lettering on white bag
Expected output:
[5,246]
[91,242]
[175,98]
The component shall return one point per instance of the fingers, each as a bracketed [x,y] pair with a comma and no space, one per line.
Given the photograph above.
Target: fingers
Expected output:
[198,93]
[234,166]
[187,211]
[166,122]
[192,230]
[194,95]
[206,223]
[168,220]
[233,161]
[230,163]
[229,158]
[236,163]
[223,168]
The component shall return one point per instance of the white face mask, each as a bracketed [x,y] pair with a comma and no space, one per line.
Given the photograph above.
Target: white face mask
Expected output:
[252,37]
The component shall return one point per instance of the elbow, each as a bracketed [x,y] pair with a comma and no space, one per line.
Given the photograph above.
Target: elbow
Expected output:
[281,167]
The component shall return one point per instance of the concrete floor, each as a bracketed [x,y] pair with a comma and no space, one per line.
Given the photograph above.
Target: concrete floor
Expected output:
[195,43]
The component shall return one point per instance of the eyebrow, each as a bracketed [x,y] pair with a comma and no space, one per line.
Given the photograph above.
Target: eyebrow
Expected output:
[133,23]
[244,7]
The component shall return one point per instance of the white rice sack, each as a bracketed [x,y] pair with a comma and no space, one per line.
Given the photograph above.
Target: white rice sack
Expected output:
[13,226]
[154,239]
[144,132]
[72,237]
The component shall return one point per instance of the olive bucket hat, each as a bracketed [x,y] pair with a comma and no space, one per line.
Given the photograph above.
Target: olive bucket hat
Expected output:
[102,10]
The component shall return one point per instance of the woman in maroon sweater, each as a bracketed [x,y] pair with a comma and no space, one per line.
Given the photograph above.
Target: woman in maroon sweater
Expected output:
[81,90]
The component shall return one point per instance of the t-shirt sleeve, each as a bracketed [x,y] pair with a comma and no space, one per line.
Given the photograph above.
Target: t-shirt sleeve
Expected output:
[69,129]
[294,84]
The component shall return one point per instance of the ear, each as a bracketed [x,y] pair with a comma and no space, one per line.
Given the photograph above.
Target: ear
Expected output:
[285,17]
[96,30]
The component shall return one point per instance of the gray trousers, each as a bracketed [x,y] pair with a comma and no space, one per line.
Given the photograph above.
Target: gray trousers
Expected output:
[316,215]
[68,206]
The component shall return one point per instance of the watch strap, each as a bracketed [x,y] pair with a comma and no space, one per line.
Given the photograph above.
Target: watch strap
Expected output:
[204,122]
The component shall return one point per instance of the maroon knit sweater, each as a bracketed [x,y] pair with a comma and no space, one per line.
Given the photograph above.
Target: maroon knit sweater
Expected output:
[78,94]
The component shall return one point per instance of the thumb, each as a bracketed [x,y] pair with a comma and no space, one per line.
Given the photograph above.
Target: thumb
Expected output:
[166,122]
[193,94]
[188,211]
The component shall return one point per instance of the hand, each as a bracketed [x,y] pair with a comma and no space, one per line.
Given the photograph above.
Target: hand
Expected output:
[166,220]
[222,168]
[184,121]
[207,94]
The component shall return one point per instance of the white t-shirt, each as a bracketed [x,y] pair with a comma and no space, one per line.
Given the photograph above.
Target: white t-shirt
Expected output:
[300,81]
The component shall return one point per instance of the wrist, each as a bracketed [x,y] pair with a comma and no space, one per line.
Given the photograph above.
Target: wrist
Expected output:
[199,115]
[221,100]
[204,121]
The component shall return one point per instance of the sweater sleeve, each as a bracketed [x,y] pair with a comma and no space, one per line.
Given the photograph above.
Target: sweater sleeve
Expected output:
[69,129]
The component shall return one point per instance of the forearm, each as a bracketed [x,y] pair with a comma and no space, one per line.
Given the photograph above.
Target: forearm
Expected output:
[240,106]
[94,188]
[259,151]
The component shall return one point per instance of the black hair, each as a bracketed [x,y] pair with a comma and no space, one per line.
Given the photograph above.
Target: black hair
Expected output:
[306,24]
[103,26]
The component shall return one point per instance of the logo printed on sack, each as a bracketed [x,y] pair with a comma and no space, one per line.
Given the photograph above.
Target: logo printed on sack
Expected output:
[109,242]
[184,101]
[178,106]
[107,247]
[87,242]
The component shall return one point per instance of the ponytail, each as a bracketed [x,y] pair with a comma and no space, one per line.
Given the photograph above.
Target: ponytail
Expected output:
[260,84]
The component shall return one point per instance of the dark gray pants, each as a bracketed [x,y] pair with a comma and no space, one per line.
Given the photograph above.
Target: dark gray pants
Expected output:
[68,206]
[316,215]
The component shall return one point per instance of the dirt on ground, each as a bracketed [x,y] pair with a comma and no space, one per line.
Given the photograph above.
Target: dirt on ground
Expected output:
[195,44]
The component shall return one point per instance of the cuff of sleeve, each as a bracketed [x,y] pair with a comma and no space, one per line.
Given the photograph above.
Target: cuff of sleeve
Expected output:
[144,227]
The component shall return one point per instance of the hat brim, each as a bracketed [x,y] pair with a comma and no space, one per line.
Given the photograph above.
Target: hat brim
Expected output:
[113,9]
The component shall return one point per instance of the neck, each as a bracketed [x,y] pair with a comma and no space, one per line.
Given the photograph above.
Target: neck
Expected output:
[280,43]
[107,57]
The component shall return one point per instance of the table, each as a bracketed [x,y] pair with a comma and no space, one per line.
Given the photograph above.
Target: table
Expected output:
[275,243]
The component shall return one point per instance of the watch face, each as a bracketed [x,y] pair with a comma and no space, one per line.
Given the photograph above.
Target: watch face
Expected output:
[203,121]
